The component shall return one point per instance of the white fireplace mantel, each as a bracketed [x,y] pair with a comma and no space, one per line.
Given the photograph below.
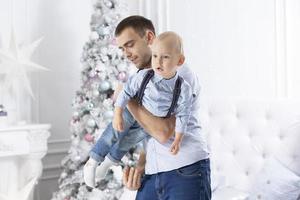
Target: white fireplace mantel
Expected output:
[21,150]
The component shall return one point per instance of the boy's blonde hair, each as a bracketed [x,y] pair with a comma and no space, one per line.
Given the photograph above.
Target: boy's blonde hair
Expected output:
[174,39]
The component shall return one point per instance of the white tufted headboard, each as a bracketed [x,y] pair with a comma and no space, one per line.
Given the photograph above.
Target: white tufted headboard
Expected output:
[242,133]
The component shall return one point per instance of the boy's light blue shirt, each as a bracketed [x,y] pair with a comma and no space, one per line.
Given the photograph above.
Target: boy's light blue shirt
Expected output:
[193,146]
[158,97]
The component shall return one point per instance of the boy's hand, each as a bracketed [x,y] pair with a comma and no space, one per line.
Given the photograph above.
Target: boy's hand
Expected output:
[118,123]
[117,92]
[175,147]
[176,144]
[118,120]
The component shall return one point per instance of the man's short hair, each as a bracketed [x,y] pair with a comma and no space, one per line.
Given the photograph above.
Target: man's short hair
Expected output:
[139,24]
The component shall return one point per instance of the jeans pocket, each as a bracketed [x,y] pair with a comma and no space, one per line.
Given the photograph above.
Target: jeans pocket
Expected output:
[193,170]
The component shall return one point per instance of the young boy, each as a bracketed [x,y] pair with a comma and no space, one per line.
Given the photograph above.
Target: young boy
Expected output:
[160,90]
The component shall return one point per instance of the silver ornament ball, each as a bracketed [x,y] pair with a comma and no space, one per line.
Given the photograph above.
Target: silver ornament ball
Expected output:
[122,67]
[96,93]
[94,35]
[91,123]
[104,86]
[108,114]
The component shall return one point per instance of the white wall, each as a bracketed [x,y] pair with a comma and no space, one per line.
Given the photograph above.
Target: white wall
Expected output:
[65,27]
[14,16]
[293,46]
[238,48]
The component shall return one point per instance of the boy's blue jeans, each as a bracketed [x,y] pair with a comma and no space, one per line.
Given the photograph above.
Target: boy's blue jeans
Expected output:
[190,182]
[114,144]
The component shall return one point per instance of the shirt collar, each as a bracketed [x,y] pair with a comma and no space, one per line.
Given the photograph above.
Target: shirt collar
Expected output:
[157,78]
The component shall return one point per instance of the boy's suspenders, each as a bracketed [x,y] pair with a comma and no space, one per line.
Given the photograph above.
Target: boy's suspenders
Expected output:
[140,93]
[177,90]
[176,94]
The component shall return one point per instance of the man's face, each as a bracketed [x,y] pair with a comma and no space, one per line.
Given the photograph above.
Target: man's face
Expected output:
[135,47]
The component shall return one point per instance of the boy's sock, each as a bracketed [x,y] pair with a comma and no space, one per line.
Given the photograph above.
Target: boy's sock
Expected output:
[89,170]
[103,168]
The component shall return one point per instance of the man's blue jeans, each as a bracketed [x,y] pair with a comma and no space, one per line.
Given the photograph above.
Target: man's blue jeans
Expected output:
[114,144]
[191,182]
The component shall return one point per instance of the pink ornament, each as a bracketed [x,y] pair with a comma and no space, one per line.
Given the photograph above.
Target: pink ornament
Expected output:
[122,76]
[88,137]
[114,41]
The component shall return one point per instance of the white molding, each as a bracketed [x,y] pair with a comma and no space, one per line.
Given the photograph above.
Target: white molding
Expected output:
[56,141]
[58,146]
[52,167]
[12,12]
[161,16]
[45,178]
[158,11]
[167,14]
[281,70]
[57,151]
[148,4]
[141,7]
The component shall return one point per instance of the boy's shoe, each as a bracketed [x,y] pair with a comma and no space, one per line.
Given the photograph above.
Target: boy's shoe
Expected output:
[102,169]
[89,170]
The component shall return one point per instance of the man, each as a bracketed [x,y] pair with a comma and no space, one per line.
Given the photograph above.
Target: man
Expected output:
[185,176]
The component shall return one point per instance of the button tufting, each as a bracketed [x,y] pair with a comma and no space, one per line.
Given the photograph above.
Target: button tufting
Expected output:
[281,136]
[233,152]
[237,115]
[295,157]
[221,133]
[250,134]
[210,113]
[268,116]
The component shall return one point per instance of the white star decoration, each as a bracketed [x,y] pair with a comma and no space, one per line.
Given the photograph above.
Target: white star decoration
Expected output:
[15,63]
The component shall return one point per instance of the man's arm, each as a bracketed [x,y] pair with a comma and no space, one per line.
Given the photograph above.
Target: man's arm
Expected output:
[159,128]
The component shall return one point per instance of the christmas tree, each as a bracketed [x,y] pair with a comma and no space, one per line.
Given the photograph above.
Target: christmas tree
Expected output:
[103,68]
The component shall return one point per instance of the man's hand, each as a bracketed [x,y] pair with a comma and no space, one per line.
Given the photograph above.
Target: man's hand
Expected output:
[132,177]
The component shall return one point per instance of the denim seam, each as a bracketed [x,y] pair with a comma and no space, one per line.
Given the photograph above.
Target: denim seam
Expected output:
[115,161]
[96,157]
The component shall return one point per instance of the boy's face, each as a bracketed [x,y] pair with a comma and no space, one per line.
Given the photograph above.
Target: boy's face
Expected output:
[165,58]
[135,47]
